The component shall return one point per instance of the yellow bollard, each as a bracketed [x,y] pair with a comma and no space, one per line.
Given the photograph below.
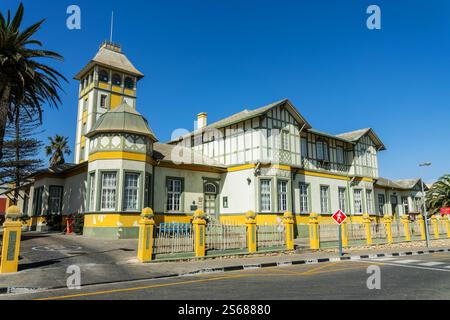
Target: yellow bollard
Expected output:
[344,227]
[434,223]
[289,224]
[423,232]
[367,222]
[314,237]
[447,225]
[251,231]
[12,232]
[405,221]
[146,232]
[199,233]
[388,223]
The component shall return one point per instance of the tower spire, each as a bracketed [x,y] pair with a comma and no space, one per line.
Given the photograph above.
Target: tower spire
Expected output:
[112,27]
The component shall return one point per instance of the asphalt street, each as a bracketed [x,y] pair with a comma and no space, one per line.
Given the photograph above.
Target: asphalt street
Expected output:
[412,277]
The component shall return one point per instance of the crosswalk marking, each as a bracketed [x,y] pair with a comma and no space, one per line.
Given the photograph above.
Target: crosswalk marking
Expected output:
[406,261]
[386,259]
[430,264]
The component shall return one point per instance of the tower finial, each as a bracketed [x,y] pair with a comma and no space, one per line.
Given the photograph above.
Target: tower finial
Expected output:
[112,26]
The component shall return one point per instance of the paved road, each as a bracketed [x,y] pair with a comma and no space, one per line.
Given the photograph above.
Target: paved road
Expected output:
[416,277]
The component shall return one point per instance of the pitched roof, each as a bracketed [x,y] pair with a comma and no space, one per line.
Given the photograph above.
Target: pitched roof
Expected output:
[111,56]
[406,184]
[355,136]
[166,152]
[249,114]
[122,119]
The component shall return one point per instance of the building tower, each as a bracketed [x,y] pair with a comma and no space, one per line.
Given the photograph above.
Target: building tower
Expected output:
[106,82]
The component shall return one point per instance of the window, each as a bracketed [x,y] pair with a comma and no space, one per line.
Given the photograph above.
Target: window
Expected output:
[103,99]
[37,201]
[369,201]
[130,196]
[210,188]
[418,204]
[55,199]
[405,202]
[117,79]
[26,199]
[282,196]
[357,201]
[342,199]
[324,199]
[266,196]
[103,76]
[304,198]
[225,202]
[322,150]
[304,146]
[174,190]
[285,140]
[381,204]
[109,190]
[129,83]
[340,155]
[92,192]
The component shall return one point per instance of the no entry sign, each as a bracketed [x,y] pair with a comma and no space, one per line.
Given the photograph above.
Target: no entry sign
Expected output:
[339,217]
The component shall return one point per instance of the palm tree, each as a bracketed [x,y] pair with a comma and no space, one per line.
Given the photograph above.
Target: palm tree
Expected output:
[23,80]
[57,148]
[438,196]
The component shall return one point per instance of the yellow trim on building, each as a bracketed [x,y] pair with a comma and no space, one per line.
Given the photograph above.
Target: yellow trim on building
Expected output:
[119,155]
[240,168]
[103,85]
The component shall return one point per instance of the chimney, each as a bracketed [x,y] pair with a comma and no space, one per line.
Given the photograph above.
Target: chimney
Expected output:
[202,120]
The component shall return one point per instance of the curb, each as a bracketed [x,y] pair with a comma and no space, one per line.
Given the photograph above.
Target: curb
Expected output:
[243,267]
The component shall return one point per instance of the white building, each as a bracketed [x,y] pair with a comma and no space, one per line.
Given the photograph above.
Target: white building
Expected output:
[269,160]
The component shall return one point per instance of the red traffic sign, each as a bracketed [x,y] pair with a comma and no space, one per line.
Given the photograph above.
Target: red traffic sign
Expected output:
[445,211]
[339,217]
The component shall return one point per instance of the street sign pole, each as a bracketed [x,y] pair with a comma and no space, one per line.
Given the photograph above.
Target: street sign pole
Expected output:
[339,217]
[340,241]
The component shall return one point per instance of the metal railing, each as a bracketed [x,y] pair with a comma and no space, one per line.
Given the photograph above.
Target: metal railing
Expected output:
[173,238]
[379,233]
[226,237]
[273,235]
[329,235]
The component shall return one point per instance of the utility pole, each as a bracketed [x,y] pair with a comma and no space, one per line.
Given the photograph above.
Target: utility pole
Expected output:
[427,232]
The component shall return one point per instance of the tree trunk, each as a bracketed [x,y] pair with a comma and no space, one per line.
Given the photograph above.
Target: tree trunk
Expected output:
[4,108]
[17,149]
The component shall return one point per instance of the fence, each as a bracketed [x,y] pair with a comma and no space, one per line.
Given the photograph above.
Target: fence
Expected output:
[302,235]
[442,227]
[379,233]
[173,238]
[329,235]
[356,234]
[416,233]
[271,236]
[398,231]
[226,237]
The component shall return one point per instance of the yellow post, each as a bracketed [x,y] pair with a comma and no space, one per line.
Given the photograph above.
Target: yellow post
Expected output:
[367,222]
[405,221]
[199,233]
[423,232]
[146,228]
[314,237]
[447,225]
[251,231]
[388,223]
[289,224]
[12,231]
[344,227]
[434,223]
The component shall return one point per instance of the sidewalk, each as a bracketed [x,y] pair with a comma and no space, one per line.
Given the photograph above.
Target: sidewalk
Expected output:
[114,261]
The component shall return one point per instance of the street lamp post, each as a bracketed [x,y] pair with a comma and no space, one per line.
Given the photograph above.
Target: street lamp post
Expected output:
[427,233]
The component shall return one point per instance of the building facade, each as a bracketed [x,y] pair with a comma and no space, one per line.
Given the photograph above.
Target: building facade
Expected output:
[269,160]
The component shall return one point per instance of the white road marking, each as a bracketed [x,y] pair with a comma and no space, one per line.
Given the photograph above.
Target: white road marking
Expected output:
[386,259]
[407,261]
[431,264]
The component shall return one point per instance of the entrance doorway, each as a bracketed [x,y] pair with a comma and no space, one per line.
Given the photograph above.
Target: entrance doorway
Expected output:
[211,199]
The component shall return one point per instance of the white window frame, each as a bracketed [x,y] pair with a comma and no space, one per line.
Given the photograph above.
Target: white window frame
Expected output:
[304,198]
[52,199]
[174,194]
[340,155]
[369,201]
[381,204]
[265,195]
[342,197]
[358,201]
[92,190]
[325,199]
[108,201]
[282,187]
[131,192]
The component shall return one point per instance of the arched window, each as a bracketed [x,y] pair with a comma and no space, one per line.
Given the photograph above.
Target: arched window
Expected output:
[129,83]
[210,188]
[103,76]
[117,79]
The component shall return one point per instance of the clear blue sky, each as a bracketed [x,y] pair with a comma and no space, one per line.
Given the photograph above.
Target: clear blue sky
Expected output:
[220,56]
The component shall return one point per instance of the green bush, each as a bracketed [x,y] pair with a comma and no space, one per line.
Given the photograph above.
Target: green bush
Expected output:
[54,222]
[78,223]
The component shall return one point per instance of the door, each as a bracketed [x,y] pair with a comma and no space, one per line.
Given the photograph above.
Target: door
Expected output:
[211,199]
[394,204]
